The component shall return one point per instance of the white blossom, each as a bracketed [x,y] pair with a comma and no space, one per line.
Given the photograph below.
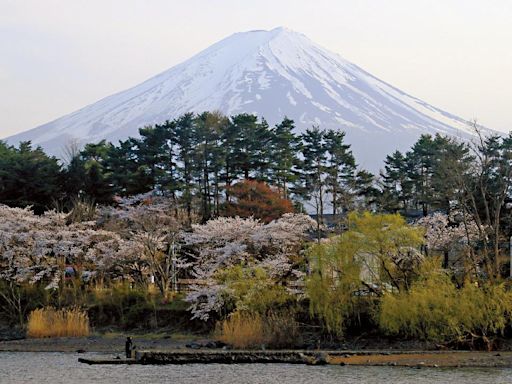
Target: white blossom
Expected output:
[229,241]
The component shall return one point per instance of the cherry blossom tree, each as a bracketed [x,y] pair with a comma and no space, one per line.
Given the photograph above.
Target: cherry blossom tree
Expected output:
[36,250]
[230,241]
[155,227]
[446,234]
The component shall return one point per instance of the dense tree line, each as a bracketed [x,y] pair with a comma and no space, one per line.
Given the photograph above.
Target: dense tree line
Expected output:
[197,159]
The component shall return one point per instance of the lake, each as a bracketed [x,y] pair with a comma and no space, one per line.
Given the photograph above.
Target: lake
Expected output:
[47,367]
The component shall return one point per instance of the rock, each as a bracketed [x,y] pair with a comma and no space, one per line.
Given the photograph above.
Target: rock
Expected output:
[81,351]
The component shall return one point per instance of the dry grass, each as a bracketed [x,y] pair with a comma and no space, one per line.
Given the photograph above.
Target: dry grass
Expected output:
[50,322]
[282,330]
[242,331]
[249,330]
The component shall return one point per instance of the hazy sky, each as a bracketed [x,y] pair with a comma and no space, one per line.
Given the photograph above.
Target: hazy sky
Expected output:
[58,56]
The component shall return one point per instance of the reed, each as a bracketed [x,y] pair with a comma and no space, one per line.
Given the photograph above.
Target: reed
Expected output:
[242,330]
[51,322]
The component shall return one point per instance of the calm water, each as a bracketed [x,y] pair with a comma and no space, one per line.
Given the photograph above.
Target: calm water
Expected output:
[63,368]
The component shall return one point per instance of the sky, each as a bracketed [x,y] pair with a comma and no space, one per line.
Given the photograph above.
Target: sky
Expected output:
[57,56]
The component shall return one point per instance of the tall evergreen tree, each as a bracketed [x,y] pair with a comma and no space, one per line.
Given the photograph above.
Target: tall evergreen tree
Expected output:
[422,159]
[250,149]
[28,177]
[152,154]
[209,160]
[97,184]
[284,147]
[314,165]
[340,170]
[184,136]
[396,185]
[365,189]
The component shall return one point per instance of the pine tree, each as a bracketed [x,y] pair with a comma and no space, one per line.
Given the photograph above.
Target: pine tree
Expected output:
[97,184]
[152,152]
[365,188]
[209,158]
[314,165]
[184,138]
[249,155]
[285,146]
[340,170]
[397,186]
[28,177]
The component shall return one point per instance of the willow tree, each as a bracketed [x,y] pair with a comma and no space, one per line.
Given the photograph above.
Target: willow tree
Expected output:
[377,253]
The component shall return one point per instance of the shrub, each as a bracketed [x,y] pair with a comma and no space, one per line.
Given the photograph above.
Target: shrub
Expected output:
[17,301]
[427,312]
[51,322]
[484,312]
[435,310]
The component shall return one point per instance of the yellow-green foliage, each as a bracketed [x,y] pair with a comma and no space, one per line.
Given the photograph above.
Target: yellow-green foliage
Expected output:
[252,289]
[51,322]
[427,311]
[370,249]
[434,309]
[390,241]
[331,286]
[258,318]
[385,233]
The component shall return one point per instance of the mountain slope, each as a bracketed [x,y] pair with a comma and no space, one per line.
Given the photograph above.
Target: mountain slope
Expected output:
[273,74]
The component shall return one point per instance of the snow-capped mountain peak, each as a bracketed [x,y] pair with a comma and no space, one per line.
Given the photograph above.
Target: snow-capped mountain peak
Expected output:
[273,74]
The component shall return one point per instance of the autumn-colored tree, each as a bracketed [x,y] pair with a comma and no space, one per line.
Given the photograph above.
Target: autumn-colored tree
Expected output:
[256,199]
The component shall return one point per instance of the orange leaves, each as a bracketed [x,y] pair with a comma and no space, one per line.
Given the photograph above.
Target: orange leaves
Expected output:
[256,199]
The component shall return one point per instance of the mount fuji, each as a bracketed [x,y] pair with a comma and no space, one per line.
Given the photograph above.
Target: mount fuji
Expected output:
[272,74]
